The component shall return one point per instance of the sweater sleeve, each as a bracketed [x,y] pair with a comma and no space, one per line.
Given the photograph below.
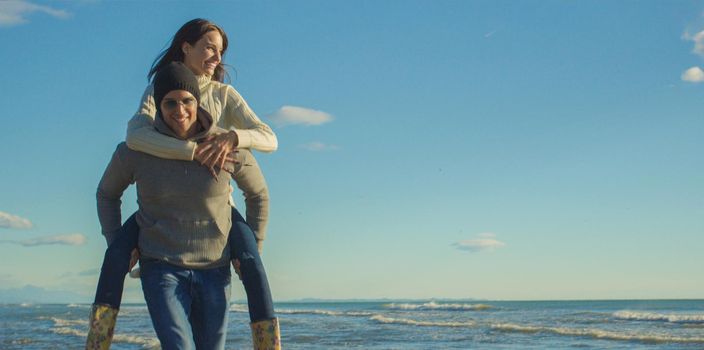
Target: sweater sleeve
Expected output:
[251,182]
[142,137]
[117,177]
[251,131]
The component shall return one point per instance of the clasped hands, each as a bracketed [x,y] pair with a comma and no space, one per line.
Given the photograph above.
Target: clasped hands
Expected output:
[215,151]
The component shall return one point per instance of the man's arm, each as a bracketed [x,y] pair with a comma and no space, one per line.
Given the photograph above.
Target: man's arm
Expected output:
[117,176]
[251,182]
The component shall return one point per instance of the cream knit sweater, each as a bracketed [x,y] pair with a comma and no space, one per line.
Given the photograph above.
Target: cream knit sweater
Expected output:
[222,101]
[229,111]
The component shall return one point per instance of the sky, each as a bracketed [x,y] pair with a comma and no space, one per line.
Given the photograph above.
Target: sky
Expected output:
[532,150]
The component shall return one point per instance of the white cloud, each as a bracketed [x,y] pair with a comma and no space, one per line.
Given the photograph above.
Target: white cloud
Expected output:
[13,221]
[693,75]
[698,39]
[485,241]
[14,12]
[289,115]
[70,239]
[317,146]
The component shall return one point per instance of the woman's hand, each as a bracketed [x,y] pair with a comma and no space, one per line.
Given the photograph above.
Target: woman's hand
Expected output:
[215,150]
[236,265]
[134,258]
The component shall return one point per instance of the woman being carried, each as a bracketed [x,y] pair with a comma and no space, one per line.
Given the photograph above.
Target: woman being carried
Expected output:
[199,44]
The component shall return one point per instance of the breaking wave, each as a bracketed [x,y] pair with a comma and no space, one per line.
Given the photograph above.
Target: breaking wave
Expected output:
[243,308]
[596,333]
[651,316]
[406,321]
[439,306]
[573,332]
[62,327]
[60,322]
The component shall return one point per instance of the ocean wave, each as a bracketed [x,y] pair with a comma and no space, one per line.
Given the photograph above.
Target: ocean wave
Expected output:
[406,321]
[596,333]
[651,316]
[439,306]
[325,312]
[243,308]
[23,341]
[69,331]
[145,342]
[78,305]
[63,327]
[60,322]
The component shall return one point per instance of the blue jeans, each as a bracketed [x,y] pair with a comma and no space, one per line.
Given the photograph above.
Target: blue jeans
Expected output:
[188,307]
[243,246]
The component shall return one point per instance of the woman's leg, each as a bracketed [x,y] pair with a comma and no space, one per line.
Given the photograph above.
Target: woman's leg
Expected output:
[265,327]
[167,291]
[210,308]
[116,264]
[108,295]
[243,247]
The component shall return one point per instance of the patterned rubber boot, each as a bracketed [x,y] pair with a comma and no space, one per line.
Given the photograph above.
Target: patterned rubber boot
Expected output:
[266,335]
[102,326]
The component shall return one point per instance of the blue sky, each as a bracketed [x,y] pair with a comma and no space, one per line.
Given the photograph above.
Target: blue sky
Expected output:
[428,149]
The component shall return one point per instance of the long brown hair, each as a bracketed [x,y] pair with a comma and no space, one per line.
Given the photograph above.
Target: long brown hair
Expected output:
[190,32]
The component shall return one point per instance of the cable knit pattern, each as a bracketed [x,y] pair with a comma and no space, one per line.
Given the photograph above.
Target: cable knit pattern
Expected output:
[222,101]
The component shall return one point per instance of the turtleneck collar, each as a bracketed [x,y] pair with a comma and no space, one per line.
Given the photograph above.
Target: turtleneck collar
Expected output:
[203,80]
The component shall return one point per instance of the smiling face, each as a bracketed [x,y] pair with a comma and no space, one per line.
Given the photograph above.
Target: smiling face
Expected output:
[205,54]
[179,109]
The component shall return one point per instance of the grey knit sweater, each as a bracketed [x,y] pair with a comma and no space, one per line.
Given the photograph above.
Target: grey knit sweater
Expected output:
[184,215]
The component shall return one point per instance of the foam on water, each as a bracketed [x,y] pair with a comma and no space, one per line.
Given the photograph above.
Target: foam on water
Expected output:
[62,327]
[243,308]
[406,321]
[439,306]
[583,332]
[650,316]
[325,312]
[145,342]
[60,322]
[596,333]
[78,305]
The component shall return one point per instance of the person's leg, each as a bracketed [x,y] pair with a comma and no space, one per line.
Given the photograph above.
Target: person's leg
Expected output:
[167,291]
[116,263]
[243,247]
[108,295]
[211,301]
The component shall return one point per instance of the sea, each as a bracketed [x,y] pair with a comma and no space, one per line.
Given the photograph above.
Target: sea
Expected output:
[425,324]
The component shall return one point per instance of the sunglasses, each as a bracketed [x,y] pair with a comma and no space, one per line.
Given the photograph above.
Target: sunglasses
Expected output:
[171,104]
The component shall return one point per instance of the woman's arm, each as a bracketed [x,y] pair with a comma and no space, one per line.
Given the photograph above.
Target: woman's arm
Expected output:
[141,135]
[246,131]
[251,131]
[117,176]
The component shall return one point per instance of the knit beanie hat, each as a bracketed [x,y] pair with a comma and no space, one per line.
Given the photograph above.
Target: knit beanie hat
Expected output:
[174,76]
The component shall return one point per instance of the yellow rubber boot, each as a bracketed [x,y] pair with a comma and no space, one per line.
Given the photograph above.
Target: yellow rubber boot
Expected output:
[102,326]
[266,335]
